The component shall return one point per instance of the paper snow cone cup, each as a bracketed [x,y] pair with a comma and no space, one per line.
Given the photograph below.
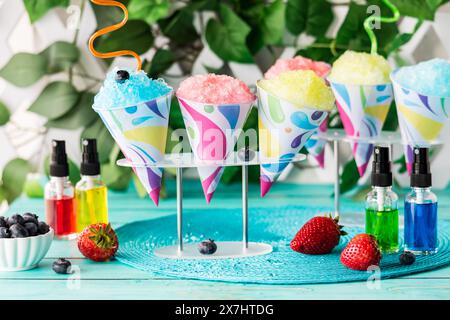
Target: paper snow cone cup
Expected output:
[421,117]
[316,147]
[141,131]
[283,131]
[363,110]
[213,130]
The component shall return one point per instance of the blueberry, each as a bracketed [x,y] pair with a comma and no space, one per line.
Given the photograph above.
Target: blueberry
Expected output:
[29,217]
[407,258]
[43,227]
[62,266]
[32,229]
[15,219]
[18,231]
[3,222]
[122,75]
[207,247]
[246,154]
[4,233]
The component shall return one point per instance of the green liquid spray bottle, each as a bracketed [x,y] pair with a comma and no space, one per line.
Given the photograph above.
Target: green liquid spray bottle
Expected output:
[382,203]
[90,192]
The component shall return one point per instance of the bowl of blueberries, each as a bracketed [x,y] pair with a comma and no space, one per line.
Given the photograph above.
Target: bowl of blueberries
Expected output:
[24,241]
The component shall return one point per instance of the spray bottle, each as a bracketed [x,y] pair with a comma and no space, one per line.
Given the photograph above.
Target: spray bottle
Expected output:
[421,208]
[381,203]
[90,191]
[59,194]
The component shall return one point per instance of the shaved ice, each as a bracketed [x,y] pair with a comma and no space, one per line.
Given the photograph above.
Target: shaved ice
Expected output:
[360,68]
[297,63]
[215,89]
[302,88]
[430,77]
[137,89]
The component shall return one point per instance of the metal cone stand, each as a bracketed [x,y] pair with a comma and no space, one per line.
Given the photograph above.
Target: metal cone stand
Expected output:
[225,249]
[335,136]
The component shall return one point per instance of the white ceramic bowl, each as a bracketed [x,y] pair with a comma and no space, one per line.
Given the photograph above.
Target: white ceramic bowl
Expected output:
[17,254]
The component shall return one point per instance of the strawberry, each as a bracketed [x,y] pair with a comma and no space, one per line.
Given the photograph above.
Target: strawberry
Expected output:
[98,242]
[361,252]
[318,236]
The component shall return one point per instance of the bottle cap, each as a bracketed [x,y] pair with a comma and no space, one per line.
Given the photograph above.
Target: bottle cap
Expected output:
[381,168]
[90,165]
[59,166]
[421,174]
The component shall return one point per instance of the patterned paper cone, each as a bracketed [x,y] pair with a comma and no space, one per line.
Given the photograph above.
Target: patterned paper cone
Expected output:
[363,110]
[141,132]
[421,118]
[316,147]
[283,131]
[213,131]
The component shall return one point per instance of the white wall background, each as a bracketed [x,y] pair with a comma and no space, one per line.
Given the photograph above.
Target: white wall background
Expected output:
[24,136]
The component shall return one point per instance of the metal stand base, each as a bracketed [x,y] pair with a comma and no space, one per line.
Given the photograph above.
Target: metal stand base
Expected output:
[225,250]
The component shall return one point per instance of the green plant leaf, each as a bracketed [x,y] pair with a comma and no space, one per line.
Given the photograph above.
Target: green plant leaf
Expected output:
[422,9]
[227,37]
[105,142]
[349,177]
[175,117]
[33,188]
[2,194]
[24,69]
[136,35]
[320,50]
[61,56]
[14,176]
[161,61]
[179,27]
[4,114]
[230,174]
[200,5]
[139,187]
[402,38]
[273,22]
[150,10]
[115,177]
[107,15]
[391,122]
[110,172]
[55,100]
[351,34]
[312,16]
[82,115]
[402,162]
[38,8]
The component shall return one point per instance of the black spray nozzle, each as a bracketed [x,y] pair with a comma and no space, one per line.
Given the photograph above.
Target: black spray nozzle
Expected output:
[59,166]
[90,165]
[381,168]
[421,174]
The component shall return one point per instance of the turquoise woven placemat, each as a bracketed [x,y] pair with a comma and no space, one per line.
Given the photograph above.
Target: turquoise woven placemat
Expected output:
[275,226]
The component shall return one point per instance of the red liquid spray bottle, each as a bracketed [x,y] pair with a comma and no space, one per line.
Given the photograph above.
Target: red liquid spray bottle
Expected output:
[59,194]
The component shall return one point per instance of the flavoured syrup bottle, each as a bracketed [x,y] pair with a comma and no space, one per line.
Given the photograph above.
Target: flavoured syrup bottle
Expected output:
[90,191]
[421,208]
[59,194]
[382,203]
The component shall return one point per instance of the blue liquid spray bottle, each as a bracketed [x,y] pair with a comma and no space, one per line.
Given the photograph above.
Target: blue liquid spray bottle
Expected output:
[421,208]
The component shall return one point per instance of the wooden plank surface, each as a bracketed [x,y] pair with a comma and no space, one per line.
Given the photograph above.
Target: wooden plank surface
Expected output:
[114,280]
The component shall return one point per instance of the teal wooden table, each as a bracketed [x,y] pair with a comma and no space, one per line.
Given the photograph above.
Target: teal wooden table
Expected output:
[114,280]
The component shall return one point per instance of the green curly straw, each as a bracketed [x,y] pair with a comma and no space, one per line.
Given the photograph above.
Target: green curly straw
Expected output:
[367,22]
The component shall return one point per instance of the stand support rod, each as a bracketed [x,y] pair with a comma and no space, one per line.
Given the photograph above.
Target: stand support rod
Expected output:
[336,179]
[180,209]
[245,207]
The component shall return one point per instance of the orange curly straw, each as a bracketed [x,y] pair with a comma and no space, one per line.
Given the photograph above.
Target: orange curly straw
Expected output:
[111,29]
